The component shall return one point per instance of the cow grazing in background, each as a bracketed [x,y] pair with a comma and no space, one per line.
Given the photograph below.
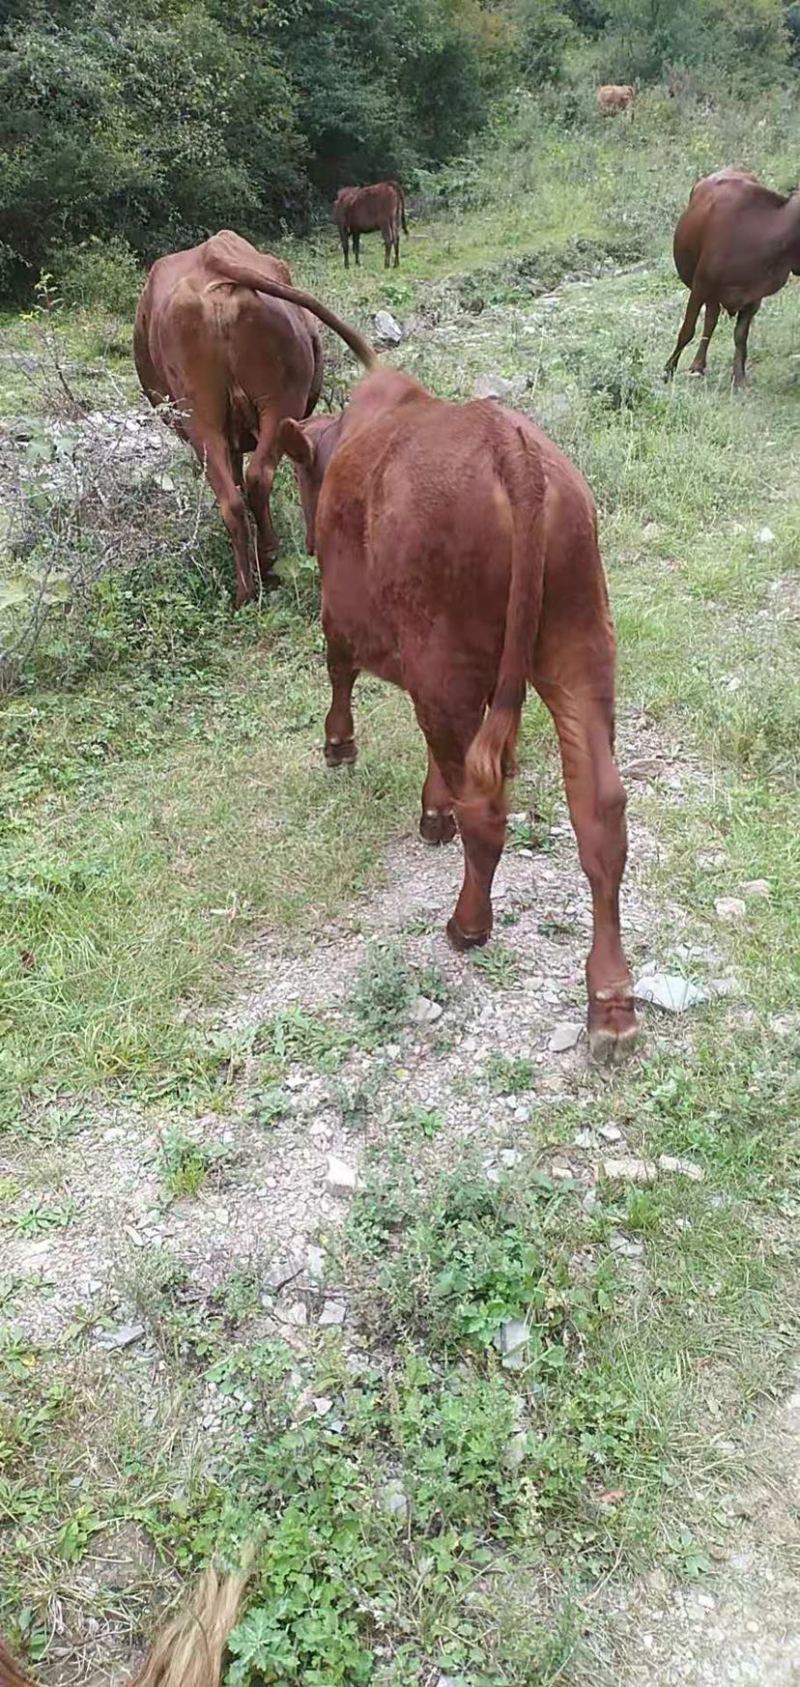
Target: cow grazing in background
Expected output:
[232,363]
[459,559]
[362,210]
[735,244]
[616,96]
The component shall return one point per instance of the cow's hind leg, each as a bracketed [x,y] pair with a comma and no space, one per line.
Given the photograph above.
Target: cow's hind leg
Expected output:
[340,743]
[345,239]
[221,475]
[357,248]
[740,334]
[482,823]
[596,798]
[698,364]
[437,822]
[386,231]
[686,333]
[258,485]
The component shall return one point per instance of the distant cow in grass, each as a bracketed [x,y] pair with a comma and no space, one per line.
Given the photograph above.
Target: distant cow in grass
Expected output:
[231,362]
[459,559]
[362,210]
[616,96]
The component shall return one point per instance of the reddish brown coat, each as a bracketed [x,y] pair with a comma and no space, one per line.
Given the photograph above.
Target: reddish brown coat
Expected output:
[616,96]
[735,244]
[232,363]
[459,559]
[363,210]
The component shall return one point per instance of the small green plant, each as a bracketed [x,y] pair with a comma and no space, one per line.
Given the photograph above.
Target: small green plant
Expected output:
[529,831]
[384,991]
[295,1035]
[35,1217]
[432,984]
[422,1121]
[270,1105]
[510,1076]
[185,1164]
[498,965]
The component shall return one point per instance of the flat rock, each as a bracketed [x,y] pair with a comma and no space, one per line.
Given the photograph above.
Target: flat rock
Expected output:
[627,1169]
[565,1035]
[610,1132]
[123,1336]
[333,1315]
[394,1499]
[669,991]
[686,1168]
[730,909]
[341,1178]
[425,1012]
[756,888]
[387,327]
[644,767]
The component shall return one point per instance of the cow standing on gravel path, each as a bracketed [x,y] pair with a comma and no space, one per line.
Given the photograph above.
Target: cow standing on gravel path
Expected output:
[459,560]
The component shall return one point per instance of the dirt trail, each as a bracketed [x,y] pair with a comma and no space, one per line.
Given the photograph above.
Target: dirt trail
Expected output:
[741,1628]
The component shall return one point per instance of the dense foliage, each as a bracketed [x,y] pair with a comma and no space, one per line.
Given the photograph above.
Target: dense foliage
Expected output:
[152,124]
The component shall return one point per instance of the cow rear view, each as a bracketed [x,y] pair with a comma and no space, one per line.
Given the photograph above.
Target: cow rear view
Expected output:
[459,560]
[365,210]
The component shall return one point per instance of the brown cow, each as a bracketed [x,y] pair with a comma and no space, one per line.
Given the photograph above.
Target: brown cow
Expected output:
[459,559]
[735,244]
[362,210]
[616,96]
[233,362]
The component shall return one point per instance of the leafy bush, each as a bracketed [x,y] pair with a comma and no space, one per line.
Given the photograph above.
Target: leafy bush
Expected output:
[100,272]
[545,32]
[743,40]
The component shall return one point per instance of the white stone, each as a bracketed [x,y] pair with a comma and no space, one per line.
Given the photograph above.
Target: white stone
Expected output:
[610,1132]
[333,1314]
[669,991]
[730,909]
[388,327]
[564,1036]
[757,888]
[341,1178]
[764,536]
[686,1168]
[627,1169]
[426,1012]
[297,1314]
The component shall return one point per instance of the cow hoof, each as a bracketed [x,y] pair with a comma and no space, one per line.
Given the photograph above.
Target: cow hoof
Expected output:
[340,752]
[463,940]
[613,1029]
[436,826]
[697,374]
[611,1048]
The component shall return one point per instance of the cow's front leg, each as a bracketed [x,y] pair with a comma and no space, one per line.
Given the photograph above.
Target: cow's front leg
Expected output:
[340,744]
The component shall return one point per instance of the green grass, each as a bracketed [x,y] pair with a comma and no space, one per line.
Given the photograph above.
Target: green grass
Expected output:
[165,802]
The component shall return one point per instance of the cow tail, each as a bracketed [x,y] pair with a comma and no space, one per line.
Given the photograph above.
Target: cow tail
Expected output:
[232,270]
[491,757]
[402,208]
[191,1648]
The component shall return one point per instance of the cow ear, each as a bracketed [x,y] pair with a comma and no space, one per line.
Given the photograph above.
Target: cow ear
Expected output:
[294,442]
